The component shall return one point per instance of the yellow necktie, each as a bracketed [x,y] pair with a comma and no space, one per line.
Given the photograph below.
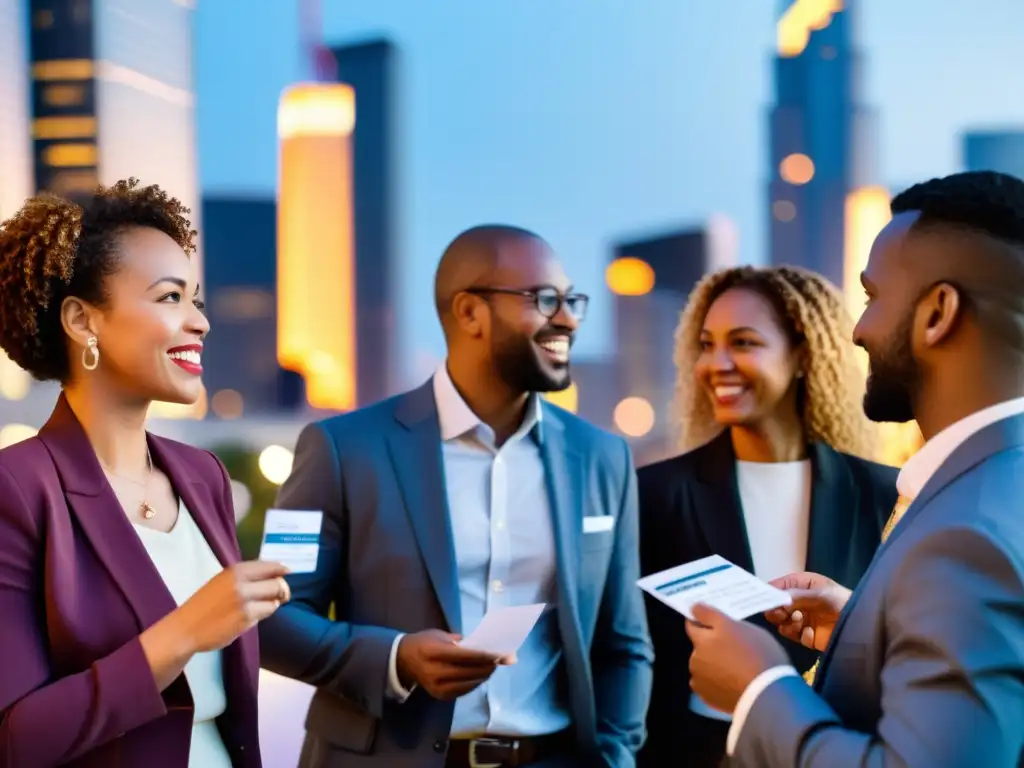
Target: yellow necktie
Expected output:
[902,503]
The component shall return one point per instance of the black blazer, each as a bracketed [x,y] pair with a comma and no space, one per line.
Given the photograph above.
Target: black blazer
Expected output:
[689,509]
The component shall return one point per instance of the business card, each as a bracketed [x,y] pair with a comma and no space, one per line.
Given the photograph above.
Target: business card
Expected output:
[715,581]
[292,537]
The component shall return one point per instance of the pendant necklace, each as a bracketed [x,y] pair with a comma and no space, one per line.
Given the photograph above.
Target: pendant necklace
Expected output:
[145,508]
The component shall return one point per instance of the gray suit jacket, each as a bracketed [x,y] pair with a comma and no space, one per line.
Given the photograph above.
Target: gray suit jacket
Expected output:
[387,565]
[926,665]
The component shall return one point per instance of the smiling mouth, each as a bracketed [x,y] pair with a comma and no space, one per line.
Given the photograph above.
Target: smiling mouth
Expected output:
[727,394]
[556,349]
[189,360]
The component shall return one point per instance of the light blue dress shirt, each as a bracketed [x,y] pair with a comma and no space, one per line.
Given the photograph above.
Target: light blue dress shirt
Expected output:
[505,548]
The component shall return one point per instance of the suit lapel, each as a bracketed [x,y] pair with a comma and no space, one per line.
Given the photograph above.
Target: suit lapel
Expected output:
[415,449]
[833,506]
[93,504]
[563,470]
[1003,435]
[717,502]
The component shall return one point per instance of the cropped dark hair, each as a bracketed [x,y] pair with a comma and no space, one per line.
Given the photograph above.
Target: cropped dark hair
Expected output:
[53,248]
[986,202]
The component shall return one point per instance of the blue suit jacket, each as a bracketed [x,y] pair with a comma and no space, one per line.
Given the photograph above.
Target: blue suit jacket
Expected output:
[387,564]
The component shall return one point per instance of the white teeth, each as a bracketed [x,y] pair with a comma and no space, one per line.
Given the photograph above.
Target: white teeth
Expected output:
[729,391]
[558,347]
[188,356]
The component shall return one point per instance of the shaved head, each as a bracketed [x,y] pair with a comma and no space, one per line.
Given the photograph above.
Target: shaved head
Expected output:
[508,310]
[470,260]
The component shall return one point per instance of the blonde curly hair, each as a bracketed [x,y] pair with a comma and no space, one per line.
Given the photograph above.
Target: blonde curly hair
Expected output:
[814,315]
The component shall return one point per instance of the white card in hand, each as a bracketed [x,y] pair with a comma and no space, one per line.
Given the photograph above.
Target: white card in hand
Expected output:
[714,581]
[292,537]
[504,630]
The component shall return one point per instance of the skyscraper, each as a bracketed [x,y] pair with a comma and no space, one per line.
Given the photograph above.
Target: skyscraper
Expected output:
[822,139]
[369,68]
[240,358]
[651,279]
[112,97]
[15,139]
[993,150]
[15,149]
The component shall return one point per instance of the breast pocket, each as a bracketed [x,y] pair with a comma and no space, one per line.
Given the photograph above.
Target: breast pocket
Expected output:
[598,533]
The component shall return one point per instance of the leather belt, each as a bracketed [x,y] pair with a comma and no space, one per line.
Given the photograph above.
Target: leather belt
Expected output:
[505,751]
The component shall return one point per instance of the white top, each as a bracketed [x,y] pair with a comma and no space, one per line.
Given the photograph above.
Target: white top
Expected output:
[185,562]
[914,475]
[776,502]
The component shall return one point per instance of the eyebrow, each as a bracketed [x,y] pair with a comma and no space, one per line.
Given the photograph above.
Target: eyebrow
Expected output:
[742,329]
[173,281]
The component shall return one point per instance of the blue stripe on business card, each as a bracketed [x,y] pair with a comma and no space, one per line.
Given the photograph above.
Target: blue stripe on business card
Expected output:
[670,584]
[291,538]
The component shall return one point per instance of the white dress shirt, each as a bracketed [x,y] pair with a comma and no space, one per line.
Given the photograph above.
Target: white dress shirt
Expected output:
[185,562]
[776,501]
[914,475]
[505,552]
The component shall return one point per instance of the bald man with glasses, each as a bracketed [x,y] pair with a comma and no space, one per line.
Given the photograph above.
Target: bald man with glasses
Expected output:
[465,496]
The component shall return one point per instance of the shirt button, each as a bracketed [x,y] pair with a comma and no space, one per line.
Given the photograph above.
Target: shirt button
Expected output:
[497,707]
[440,746]
[500,525]
[497,586]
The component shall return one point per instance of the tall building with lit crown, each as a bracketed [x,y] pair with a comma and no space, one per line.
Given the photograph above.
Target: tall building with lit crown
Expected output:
[112,97]
[822,138]
[995,150]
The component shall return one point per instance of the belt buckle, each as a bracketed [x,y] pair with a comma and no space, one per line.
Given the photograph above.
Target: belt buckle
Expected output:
[474,762]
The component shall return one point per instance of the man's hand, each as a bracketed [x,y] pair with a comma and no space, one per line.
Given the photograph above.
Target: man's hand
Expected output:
[727,656]
[435,662]
[817,603]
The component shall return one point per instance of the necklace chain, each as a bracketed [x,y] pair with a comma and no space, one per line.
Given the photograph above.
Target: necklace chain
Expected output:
[145,508]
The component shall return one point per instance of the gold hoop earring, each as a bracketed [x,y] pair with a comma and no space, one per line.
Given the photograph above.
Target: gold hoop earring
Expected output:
[91,354]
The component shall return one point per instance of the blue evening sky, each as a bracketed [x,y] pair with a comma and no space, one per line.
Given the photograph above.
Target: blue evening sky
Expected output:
[587,120]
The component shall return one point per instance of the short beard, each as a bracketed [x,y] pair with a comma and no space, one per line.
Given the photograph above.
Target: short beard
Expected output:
[892,380]
[520,369]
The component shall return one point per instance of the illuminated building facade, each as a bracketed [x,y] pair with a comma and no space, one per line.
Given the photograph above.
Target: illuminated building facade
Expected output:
[112,97]
[1001,151]
[369,68]
[316,287]
[651,280]
[822,139]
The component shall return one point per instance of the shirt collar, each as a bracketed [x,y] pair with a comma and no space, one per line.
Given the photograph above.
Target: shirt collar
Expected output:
[920,467]
[457,418]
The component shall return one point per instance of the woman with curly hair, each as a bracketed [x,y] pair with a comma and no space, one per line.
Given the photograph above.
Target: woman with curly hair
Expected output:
[127,617]
[775,473]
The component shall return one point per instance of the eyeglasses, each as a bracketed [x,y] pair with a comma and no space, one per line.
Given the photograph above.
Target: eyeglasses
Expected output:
[549,301]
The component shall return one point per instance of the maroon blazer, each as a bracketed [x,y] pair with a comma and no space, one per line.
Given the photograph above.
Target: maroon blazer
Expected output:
[77,588]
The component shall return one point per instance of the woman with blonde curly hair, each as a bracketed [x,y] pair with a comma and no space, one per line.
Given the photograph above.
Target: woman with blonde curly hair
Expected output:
[775,473]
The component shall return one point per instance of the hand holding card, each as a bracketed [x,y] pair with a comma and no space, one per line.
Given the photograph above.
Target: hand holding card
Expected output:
[292,537]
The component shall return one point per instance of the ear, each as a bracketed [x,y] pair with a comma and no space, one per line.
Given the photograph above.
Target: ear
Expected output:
[78,320]
[469,314]
[941,308]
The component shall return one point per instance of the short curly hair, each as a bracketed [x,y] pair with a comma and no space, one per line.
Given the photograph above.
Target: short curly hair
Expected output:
[53,248]
[812,313]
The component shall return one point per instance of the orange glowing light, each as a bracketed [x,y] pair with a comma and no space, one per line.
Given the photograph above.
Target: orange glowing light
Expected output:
[315,248]
[796,169]
[866,213]
[634,416]
[802,17]
[629,276]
